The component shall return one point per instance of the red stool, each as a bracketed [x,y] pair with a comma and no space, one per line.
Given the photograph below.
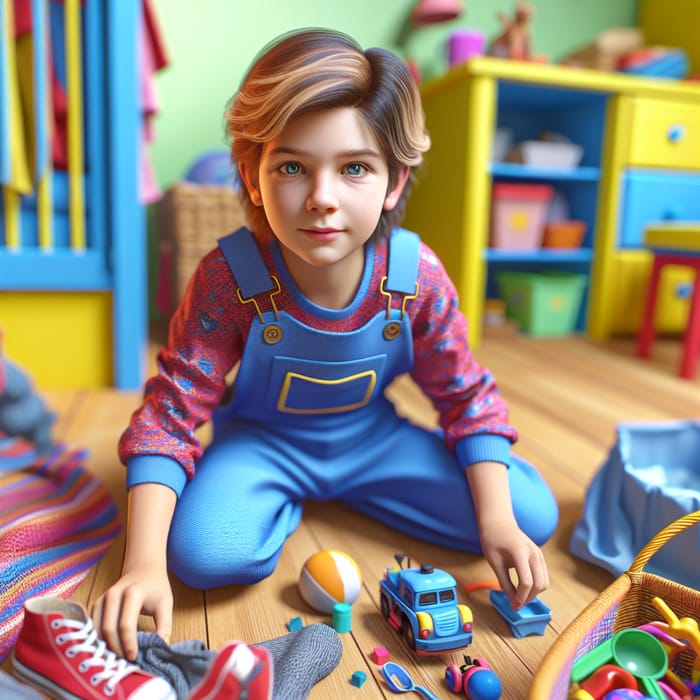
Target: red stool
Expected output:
[673,244]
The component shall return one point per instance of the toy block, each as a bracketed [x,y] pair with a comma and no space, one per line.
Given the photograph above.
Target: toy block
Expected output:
[358,678]
[295,624]
[342,618]
[380,655]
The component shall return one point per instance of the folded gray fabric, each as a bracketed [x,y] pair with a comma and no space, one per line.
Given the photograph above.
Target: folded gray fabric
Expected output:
[182,664]
[300,659]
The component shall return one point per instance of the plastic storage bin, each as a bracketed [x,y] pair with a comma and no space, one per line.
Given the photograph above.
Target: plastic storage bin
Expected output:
[518,215]
[543,304]
[564,234]
[547,154]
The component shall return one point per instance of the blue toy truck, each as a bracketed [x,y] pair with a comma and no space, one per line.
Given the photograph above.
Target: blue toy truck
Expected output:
[421,603]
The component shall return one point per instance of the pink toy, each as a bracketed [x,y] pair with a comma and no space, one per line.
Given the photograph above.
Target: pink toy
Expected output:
[475,679]
[518,215]
[380,655]
[463,44]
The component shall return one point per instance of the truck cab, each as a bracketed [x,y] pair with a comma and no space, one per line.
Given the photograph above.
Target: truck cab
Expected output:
[421,604]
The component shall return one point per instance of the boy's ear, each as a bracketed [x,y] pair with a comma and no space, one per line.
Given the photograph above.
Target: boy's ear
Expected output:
[394,194]
[253,191]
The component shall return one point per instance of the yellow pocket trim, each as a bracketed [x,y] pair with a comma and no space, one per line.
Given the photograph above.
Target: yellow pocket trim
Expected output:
[284,393]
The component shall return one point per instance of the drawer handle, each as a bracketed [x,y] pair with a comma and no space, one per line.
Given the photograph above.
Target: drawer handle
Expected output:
[675,133]
[683,290]
[672,213]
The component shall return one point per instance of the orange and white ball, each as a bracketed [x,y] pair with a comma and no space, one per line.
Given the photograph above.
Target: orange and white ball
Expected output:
[329,577]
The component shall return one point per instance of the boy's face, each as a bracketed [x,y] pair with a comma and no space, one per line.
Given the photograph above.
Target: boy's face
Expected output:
[323,183]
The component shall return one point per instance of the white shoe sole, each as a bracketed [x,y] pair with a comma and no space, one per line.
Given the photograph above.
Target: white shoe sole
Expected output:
[46,686]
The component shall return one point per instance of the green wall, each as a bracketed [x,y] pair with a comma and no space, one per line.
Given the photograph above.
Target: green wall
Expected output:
[210,44]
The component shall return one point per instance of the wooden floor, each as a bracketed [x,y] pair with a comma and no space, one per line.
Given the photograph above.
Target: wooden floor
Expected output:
[566,397]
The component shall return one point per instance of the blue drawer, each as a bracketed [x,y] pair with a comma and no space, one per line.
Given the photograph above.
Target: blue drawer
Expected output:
[654,195]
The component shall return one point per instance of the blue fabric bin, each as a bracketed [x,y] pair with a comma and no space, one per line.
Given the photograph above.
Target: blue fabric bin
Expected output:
[650,479]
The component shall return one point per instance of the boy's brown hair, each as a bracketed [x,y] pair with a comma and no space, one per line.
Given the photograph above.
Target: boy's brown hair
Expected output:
[315,69]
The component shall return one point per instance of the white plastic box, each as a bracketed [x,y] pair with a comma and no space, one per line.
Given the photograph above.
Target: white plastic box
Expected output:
[549,154]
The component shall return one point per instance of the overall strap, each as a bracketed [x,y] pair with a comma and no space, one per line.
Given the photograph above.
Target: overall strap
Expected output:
[404,257]
[248,268]
[402,272]
[246,263]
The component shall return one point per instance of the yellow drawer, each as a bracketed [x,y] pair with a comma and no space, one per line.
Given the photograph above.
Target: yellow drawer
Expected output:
[665,134]
[632,272]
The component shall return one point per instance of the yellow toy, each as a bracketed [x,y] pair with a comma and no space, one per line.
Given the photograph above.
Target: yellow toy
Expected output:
[684,628]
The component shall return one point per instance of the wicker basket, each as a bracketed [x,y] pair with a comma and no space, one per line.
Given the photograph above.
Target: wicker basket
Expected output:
[625,603]
[190,218]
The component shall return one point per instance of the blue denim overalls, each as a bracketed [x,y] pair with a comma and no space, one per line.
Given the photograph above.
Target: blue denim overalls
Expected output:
[309,420]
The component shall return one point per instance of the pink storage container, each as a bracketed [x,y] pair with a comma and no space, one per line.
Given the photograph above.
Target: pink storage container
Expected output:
[518,215]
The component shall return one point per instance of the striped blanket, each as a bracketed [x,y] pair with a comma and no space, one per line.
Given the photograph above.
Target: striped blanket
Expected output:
[56,521]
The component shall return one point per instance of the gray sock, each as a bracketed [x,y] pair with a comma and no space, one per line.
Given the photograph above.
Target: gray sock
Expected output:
[300,659]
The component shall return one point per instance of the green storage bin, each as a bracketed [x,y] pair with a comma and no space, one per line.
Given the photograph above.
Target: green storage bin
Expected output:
[543,304]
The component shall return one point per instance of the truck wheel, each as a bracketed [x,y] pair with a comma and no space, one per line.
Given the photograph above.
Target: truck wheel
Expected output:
[408,633]
[384,606]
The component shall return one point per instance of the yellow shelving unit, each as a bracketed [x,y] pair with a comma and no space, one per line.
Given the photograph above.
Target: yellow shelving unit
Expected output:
[626,123]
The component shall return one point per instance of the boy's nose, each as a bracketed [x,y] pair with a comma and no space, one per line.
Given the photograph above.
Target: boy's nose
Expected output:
[322,196]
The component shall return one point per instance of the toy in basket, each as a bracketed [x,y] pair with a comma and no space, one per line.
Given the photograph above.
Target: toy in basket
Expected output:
[631,601]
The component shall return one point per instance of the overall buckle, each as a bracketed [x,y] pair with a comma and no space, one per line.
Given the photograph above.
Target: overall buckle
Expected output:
[272,294]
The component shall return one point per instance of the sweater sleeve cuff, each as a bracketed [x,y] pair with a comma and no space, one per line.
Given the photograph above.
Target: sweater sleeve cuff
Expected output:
[483,448]
[155,469]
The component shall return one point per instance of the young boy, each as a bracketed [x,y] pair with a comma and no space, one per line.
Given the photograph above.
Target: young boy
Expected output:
[322,302]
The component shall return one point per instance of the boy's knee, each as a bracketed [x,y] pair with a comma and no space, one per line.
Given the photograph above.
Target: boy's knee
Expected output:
[534,505]
[538,516]
[207,568]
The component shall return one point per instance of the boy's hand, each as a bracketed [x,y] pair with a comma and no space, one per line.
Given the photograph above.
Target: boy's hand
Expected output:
[115,614]
[507,548]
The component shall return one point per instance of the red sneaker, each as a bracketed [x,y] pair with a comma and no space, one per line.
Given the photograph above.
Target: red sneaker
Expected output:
[59,653]
[238,672]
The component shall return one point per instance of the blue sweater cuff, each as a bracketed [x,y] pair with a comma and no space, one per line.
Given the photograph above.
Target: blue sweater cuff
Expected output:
[483,448]
[155,469]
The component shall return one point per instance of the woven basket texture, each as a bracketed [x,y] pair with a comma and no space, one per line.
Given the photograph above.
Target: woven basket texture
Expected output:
[625,603]
[190,219]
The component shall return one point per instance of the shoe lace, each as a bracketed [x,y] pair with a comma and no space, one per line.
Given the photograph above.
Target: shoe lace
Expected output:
[114,669]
